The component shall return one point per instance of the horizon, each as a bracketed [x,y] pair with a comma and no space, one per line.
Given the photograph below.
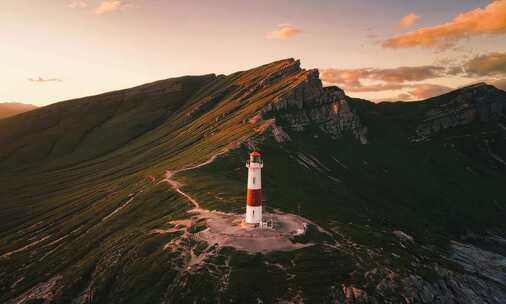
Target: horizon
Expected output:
[444,45]
[327,85]
[286,151]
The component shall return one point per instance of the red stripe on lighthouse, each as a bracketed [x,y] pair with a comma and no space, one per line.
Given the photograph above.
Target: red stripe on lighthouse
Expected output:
[254,197]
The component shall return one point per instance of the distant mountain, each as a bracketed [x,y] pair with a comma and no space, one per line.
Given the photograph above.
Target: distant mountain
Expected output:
[8,109]
[406,200]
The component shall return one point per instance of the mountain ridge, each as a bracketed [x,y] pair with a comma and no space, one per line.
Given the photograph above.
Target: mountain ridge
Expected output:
[86,221]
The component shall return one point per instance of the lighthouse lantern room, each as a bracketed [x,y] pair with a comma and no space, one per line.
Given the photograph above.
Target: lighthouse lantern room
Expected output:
[254,192]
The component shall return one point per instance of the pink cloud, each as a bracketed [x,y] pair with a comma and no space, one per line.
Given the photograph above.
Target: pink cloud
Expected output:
[418,92]
[108,6]
[424,91]
[352,80]
[284,31]
[488,20]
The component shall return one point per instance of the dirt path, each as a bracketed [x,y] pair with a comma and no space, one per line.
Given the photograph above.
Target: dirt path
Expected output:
[122,206]
[169,178]
[32,244]
[227,229]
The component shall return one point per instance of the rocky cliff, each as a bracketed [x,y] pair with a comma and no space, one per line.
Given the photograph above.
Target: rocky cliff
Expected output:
[309,104]
[476,103]
[483,280]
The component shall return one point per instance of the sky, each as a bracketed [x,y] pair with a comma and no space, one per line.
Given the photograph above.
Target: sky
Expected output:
[382,50]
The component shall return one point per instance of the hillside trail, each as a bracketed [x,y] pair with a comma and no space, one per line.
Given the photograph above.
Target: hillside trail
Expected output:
[169,178]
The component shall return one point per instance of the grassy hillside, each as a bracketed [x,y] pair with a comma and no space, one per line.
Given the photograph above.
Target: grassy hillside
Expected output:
[81,193]
[67,167]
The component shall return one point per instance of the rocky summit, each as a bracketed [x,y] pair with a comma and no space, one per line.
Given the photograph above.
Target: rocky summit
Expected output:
[118,198]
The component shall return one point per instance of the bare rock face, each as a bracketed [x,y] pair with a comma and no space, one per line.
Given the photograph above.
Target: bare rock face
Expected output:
[311,104]
[489,265]
[479,102]
[350,295]
[481,281]
[451,288]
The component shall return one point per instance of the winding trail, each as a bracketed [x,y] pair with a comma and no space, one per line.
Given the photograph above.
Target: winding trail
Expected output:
[122,206]
[228,229]
[169,178]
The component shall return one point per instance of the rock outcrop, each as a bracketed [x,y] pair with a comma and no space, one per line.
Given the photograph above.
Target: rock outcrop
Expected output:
[481,281]
[450,288]
[480,102]
[310,104]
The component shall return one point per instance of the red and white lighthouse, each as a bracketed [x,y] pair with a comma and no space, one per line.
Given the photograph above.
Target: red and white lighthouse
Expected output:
[254,195]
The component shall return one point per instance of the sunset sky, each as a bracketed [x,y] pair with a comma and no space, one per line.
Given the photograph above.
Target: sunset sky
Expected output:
[52,50]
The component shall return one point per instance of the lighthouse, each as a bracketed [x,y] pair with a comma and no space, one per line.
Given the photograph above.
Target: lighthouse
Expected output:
[254,193]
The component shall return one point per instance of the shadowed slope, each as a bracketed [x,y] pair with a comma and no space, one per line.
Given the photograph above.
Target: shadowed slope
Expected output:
[70,178]
[84,128]
[85,218]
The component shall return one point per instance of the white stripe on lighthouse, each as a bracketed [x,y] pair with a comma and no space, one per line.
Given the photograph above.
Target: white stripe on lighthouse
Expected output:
[253,214]
[254,179]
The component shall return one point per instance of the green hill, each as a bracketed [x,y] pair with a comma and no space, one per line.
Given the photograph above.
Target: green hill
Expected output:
[391,186]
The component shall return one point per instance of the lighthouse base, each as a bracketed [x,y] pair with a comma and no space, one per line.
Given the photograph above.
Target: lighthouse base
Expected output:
[254,215]
[230,229]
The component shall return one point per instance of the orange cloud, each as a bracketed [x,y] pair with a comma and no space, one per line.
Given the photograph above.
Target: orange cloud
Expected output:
[487,65]
[409,20]
[352,80]
[108,6]
[404,96]
[285,31]
[424,91]
[488,20]
[418,92]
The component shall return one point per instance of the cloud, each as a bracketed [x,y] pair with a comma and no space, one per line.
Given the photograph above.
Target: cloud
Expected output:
[377,87]
[412,80]
[77,3]
[491,64]
[488,20]
[400,97]
[425,90]
[455,70]
[42,80]
[108,6]
[285,31]
[407,73]
[418,92]
[352,80]
[409,20]
[500,84]
[404,96]
[405,78]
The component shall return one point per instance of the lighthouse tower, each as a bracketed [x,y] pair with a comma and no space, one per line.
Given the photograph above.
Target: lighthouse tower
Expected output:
[254,195]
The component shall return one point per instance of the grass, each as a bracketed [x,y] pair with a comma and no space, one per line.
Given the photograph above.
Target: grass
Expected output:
[66,168]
